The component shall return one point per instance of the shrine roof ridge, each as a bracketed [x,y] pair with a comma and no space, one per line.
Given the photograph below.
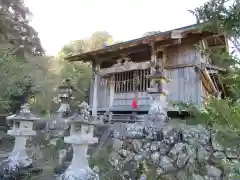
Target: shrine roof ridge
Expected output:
[157,37]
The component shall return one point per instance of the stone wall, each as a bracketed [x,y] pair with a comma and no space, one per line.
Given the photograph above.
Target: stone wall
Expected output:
[179,151]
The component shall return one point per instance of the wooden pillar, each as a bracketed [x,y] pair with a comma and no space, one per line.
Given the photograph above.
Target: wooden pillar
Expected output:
[112,90]
[96,68]
[162,64]
[135,89]
[164,59]
[153,62]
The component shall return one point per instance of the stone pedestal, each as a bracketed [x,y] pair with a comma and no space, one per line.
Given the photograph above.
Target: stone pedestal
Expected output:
[80,140]
[79,168]
[21,130]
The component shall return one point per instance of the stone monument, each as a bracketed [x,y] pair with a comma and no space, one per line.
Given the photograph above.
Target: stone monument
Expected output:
[18,161]
[80,140]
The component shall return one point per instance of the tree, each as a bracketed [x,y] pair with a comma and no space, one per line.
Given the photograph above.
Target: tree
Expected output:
[18,40]
[15,28]
[80,73]
[223,16]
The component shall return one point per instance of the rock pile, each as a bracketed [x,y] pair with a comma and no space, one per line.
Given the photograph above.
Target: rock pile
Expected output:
[179,149]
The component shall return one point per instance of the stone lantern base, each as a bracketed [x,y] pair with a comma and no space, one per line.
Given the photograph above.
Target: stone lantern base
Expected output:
[78,174]
[18,164]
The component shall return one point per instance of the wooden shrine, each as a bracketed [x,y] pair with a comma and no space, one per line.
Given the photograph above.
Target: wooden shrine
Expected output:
[121,70]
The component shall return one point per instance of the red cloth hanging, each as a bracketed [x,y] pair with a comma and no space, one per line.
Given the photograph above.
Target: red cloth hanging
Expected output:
[134,103]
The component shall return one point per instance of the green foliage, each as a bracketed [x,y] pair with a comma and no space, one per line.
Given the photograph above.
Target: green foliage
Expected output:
[80,73]
[220,16]
[18,38]
[223,16]
[15,28]
[16,84]
[219,115]
[101,160]
[18,93]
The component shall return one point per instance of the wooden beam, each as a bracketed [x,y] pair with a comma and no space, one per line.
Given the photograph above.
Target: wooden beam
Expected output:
[210,66]
[147,64]
[106,55]
[171,42]
[210,82]
[205,83]
[212,71]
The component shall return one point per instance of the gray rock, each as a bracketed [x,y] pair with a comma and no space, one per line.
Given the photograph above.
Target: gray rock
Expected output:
[216,146]
[197,177]
[170,135]
[182,160]
[176,150]
[117,143]
[213,171]
[166,164]
[202,154]
[232,153]
[147,145]
[163,148]
[135,130]
[137,145]
[218,157]
[159,171]
[138,157]
[182,175]
[155,157]
[182,152]
[154,146]
[196,135]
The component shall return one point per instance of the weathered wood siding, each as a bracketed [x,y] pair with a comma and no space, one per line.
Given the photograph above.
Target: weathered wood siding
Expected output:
[183,54]
[185,84]
[103,94]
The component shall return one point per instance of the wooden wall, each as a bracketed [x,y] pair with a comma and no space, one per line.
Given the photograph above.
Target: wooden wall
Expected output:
[185,84]
[183,54]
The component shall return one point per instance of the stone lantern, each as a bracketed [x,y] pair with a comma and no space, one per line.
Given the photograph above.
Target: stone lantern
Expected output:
[22,128]
[158,92]
[80,140]
[64,96]
[58,125]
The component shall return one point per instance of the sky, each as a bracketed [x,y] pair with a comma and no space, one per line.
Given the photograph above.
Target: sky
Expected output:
[60,21]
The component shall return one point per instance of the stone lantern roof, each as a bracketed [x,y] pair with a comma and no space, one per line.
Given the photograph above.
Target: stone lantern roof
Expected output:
[65,89]
[82,116]
[157,75]
[23,115]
